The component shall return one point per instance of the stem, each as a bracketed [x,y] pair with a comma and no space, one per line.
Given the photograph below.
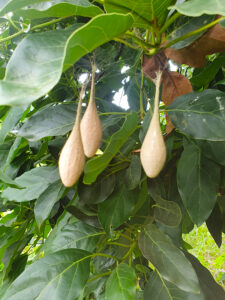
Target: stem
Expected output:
[126,237]
[82,92]
[48,23]
[129,251]
[99,276]
[140,42]
[157,91]
[104,255]
[153,36]
[194,32]
[118,244]
[169,22]
[126,43]
[147,36]
[12,23]
[93,69]
[12,36]
[141,94]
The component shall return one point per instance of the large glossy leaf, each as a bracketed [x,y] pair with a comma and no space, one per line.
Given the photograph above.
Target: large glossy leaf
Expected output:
[46,201]
[9,237]
[8,181]
[7,6]
[133,174]
[34,182]
[57,276]
[204,111]
[167,212]
[59,8]
[208,73]
[12,118]
[43,56]
[87,218]
[73,235]
[168,259]
[213,150]
[209,286]
[198,7]
[215,225]
[143,11]
[121,284]
[17,148]
[158,288]
[96,165]
[190,25]
[116,209]
[97,192]
[198,182]
[52,120]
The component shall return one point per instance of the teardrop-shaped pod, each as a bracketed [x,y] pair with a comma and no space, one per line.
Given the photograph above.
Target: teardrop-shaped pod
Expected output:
[153,150]
[72,158]
[91,128]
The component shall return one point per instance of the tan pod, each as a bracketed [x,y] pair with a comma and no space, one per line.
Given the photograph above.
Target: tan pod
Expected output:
[72,158]
[153,150]
[91,128]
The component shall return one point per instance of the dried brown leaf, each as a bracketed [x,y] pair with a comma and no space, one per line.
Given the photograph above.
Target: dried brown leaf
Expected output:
[174,85]
[194,55]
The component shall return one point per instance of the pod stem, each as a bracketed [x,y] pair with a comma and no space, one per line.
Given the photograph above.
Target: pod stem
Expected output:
[79,107]
[157,91]
[93,69]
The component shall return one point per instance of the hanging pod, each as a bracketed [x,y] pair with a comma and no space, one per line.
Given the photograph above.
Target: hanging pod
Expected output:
[91,128]
[153,150]
[72,158]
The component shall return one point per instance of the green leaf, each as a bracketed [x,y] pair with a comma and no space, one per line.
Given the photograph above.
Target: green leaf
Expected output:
[167,259]
[167,212]
[11,5]
[57,9]
[121,284]
[215,225]
[116,209]
[43,55]
[213,150]
[204,111]
[209,287]
[97,164]
[8,181]
[190,25]
[17,148]
[34,182]
[158,288]
[133,173]
[198,181]
[97,192]
[13,251]
[208,74]
[89,219]
[198,7]
[74,235]
[52,120]
[57,276]
[18,267]
[145,125]
[10,237]
[143,11]
[46,201]
[12,118]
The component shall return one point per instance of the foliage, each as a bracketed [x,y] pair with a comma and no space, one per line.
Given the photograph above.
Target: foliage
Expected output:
[115,234]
